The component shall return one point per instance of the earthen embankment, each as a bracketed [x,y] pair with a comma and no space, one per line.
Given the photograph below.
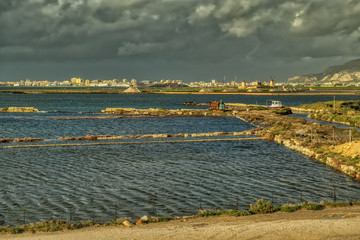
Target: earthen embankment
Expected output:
[19,109]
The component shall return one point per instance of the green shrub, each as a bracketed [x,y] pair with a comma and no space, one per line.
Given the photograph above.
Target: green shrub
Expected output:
[338,204]
[213,213]
[301,121]
[16,230]
[260,108]
[320,150]
[261,207]
[225,212]
[161,109]
[159,219]
[282,111]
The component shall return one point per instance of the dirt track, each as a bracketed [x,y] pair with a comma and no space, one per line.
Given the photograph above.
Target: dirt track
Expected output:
[335,223]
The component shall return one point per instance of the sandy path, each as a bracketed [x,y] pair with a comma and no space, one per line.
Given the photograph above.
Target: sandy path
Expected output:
[337,223]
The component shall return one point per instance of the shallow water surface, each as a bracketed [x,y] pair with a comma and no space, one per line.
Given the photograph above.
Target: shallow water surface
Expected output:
[99,182]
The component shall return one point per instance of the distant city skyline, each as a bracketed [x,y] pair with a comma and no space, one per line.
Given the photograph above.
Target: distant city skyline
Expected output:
[170,39]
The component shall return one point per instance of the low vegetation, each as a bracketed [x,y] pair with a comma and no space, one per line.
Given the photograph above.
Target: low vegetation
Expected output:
[47,226]
[282,111]
[260,207]
[344,112]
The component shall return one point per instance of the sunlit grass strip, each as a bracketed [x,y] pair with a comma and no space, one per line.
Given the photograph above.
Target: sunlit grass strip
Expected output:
[121,143]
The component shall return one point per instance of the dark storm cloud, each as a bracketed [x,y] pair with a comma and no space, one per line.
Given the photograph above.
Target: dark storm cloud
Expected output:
[188,30]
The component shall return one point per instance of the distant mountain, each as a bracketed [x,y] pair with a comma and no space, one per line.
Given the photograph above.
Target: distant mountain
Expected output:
[345,74]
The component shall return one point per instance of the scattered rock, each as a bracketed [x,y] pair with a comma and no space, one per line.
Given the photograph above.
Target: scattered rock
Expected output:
[67,139]
[90,137]
[160,135]
[28,140]
[126,223]
[146,136]
[132,137]
[177,135]
[145,218]
[238,133]
[220,133]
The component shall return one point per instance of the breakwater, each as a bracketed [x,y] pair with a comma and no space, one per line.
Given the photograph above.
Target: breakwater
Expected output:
[19,109]
[143,142]
[163,112]
[116,113]
[90,137]
[114,137]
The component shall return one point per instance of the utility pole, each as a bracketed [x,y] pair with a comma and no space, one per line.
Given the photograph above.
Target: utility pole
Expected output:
[334,104]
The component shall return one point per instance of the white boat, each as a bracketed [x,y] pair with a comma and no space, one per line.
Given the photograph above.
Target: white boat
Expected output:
[276,104]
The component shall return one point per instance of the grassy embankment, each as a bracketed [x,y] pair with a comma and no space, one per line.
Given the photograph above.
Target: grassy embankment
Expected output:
[344,112]
[164,112]
[260,207]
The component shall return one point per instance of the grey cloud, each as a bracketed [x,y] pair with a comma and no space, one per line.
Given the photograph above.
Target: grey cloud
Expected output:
[327,17]
[18,50]
[194,31]
[129,48]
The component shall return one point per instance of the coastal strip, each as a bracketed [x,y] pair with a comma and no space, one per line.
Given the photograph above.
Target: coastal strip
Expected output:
[295,221]
[90,137]
[19,109]
[122,143]
[162,91]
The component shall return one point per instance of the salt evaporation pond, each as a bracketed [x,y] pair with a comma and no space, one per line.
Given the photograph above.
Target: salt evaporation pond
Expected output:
[99,180]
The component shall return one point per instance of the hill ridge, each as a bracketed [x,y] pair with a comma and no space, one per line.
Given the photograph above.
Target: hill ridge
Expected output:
[345,74]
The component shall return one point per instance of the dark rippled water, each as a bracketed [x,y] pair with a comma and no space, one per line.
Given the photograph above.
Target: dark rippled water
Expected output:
[101,180]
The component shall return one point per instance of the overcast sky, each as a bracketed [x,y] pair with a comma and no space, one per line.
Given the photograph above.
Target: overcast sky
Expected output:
[190,40]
